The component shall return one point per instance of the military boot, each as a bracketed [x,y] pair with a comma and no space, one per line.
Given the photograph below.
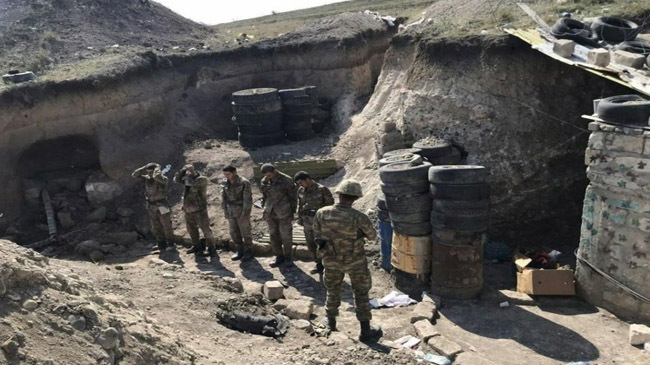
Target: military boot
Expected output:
[318,269]
[330,323]
[162,245]
[197,249]
[248,254]
[368,332]
[239,255]
[212,250]
[279,260]
[171,247]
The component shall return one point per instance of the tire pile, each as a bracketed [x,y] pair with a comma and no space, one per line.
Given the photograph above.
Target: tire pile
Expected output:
[459,220]
[437,151]
[258,116]
[630,110]
[299,107]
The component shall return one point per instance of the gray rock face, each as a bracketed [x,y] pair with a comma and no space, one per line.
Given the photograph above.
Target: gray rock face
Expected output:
[30,305]
[109,338]
[77,322]
[98,215]
[65,219]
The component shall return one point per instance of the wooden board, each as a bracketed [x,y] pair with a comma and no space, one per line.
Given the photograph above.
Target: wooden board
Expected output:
[317,169]
[298,236]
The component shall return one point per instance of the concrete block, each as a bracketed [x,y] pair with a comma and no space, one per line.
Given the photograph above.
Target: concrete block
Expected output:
[623,143]
[435,299]
[564,47]
[599,57]
[281,304]
[596,140]
[629,59]
[444,346]
[639,334]
[423,310]
[299,309]
[425,329]
[469,358]
[643,37]
[273,290]
[594,126]
[516,297]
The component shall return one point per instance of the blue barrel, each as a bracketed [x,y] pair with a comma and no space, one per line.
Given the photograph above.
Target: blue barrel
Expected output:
[386,237]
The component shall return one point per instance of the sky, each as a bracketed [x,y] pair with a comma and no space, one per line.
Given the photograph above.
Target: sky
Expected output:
[223,11]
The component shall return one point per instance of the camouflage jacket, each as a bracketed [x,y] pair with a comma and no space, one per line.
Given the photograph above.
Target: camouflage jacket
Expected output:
[236,198]
[310,200]
[279,196]
[155,187]
[195,196]
[344,228]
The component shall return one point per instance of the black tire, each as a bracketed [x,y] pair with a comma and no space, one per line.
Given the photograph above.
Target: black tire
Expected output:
[460,223]
[270,126]
[408,204]
[405,188]
[292,93]
[403,172]
[614,30]
[257,108]
[626,109]
[318,125]
[260,141]
[381,201]
[451,159]
[299,110]
[402,151]
[406,157]
[460,191]
[414,217]
[456,238]
[305,100]
[258,119]
[300,135]
[638,47]
[457,174]
[253,96]
[462,208]
[579,32]
[412,229]
[433,148]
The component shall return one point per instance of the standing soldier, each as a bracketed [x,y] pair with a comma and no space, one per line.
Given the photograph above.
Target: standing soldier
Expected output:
[339,232]
[311,197]
[155,185]
[237,203]
[195,206]
[280,200]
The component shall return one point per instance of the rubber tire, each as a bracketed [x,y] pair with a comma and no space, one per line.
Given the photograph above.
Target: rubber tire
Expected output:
[431,150]
[272,118]
[318,125]
[579,32]
[381,202]
[455,238]
[418,229]
[402,151]
[409,204]
[451,159]
[457,174]
[271,126]
[462,208]
[401,172]
[460,191]
[253,141]
[406,157]
[460,223]
[254,96]
[292,93]
[617,109]
[414,217]
[405,188]
[257,108]
[301,134]
[614,30]
[299,110]
[638,47]
[290,102]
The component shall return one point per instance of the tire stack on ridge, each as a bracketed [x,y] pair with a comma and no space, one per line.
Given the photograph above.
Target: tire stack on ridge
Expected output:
[258,116]
[299,106]
[385,232]
[438,151]
[460,220]
[405,187]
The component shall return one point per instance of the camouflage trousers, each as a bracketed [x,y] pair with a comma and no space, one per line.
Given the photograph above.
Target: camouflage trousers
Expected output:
[199,220]
[309,236]
[360,279]
[281,233]
[240,231]
[161,222]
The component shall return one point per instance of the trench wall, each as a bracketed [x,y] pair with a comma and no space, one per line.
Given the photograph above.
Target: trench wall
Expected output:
[615,234]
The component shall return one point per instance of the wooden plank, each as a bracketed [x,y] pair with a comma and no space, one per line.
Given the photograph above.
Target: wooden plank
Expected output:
[536,18]
[317,169]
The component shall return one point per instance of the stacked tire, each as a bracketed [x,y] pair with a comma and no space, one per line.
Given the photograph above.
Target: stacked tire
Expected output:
[385,232]
[438,152]
[299,107]
[258,116]
[460,219]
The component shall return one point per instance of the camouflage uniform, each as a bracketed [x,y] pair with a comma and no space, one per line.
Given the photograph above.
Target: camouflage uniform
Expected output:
[309,201]
[157,203]
[237,203]
[344,229]
[280,202]
[195,207]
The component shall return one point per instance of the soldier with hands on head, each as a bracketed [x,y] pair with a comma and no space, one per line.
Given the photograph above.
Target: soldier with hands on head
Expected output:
[340,232]
[311,197]
[279,201]
[195,207]
[237,203]
[156,185]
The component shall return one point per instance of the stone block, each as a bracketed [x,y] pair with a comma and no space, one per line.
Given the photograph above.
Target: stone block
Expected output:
[564,47]
[594,126]
[444,346]
[262,249]
[516,297]
[435,299]
[623,143]
[629,59]
[425,329]
[302,324]
[599,57]
[470,358]
[281,304]
[596,141]
[643,37]
[65,219]
[299,309]
[423,310]
[302,253]
[639,334]
[273,290]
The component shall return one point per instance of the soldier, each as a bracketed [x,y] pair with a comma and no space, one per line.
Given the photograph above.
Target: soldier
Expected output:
[279,200]
[195,207]
[155,184]
[339,232]
[237,203]
[311,197]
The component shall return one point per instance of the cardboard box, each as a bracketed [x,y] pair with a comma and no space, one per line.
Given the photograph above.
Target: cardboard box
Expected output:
[541,281]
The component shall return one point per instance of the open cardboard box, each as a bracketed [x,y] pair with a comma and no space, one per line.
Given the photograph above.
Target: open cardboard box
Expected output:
[542,281]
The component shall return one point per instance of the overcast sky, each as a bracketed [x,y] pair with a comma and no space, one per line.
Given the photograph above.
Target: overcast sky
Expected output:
[223,11]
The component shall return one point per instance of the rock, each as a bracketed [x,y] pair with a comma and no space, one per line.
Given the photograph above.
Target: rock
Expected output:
[125,212]
[107,248]
[639,334]
[516,297]
[435,299]
[299,309]
[598,57]
[236,284]
[124,238]
[301,324]
[3,287]
[262,249]
[96,256]
[564,47]
[423,310]
[30,305]
[389,126]
[443,346]
[101,189]
[77,322]
[65,219]
[425,329]
[168,276]
[11,346]
[469,358]
[108,339]
[273,290]
[89,312]
[157,262]
[97,215]
[86,247]
[629,59]
[281,304]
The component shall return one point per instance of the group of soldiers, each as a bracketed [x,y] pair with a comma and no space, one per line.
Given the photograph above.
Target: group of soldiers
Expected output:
[335,233]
